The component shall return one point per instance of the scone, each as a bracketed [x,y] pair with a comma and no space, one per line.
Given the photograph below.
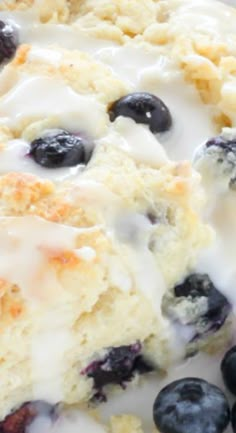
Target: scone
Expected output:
[101,232]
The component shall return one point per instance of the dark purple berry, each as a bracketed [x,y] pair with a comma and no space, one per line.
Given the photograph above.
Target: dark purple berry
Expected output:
[144,108]
[8,41]
[233,417]
[191,405]
[117,367]
[222,143]
[228,369]
[59,148]
[19,420]
[197,286]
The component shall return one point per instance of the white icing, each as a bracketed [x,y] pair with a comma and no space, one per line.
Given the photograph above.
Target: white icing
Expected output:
[31,31]
[42,97]
[74,422]
[137,141]
[148,279]
[133,233]
[44,54]
[48,361]
[86,253]
[192,124]
[119,275]
[149,70]
[141,402]
[23,241]
[153,72]
[206,17]
[26,245]
[133,264]
[69,37]
[97,197]
[219,259]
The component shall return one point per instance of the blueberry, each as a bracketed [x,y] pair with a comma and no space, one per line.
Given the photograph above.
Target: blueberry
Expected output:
[229,145]
[228,369]
[59,148]
[191,405]
[144,108]
[19,420]
[117,367]
[215,307]
[216,159]
[8,41]
[233,417]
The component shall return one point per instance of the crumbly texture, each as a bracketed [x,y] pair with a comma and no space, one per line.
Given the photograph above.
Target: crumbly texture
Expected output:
[47,10]
[206,53]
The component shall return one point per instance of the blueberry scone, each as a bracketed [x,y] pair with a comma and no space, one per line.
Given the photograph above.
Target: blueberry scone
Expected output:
[107,232]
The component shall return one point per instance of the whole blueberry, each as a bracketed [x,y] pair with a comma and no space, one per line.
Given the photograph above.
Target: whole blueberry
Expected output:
[197,286]
[143,107]
[191,405]
[8,41]
[59,148]
[233,417]
[228,369]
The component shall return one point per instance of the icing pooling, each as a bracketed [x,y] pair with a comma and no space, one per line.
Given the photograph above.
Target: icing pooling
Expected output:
[42,97]
[219,259]
[134,140]
[202,15]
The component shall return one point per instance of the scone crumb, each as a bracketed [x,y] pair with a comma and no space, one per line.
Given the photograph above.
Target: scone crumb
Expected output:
[125,424]
[21,190]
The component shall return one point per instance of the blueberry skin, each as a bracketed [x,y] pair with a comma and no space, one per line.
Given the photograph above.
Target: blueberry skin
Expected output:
[233,417]
[191,405]
[8,41]
[200,285]
[119,366]
[143,107]
[58,149]
[228,369]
